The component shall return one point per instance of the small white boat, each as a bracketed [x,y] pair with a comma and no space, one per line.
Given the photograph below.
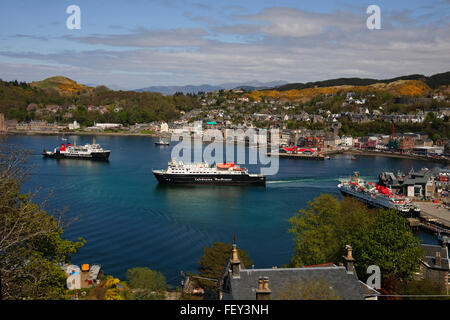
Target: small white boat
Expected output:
[162,143]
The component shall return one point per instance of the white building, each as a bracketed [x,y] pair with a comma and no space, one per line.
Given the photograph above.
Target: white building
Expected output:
[74,126]
[164,127]
[347,141]
[108,125]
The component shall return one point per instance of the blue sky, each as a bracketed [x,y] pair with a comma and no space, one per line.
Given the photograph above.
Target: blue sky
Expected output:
[132,44]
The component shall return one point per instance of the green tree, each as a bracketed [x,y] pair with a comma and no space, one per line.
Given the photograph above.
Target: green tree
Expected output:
[380,237]
[214,260]
[390,244]
[424,288]
[147,284]
[31,246]
[315,233]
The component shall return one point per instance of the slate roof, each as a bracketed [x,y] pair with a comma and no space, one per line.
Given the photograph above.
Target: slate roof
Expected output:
[368,291]
[346,285]
[417,180]
[430,255]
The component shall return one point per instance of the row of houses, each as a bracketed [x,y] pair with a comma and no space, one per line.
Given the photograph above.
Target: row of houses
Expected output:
[55,108]
[415,143]
[36,126]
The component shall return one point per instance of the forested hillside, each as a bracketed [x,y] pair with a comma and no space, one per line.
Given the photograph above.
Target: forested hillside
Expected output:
[433,82]
[23,101]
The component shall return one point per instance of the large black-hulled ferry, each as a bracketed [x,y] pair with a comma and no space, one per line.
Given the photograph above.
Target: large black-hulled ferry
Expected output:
[87,152]
[203,173]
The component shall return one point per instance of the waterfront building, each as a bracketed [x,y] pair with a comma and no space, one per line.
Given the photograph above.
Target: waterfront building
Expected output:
[332,142]
[347,141]
[286,138]
[74,126]
[423,143]
[164,127]
[428,150]
[94,129]
[108,125]
[41,126]
[406,144]
[10,124]
[424,183]
[314,142]
[239,283]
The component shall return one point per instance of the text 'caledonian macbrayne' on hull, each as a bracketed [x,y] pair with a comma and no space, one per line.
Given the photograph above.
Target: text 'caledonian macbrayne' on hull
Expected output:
[203,173]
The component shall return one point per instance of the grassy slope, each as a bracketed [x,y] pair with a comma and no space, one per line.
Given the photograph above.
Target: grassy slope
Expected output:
[62,84]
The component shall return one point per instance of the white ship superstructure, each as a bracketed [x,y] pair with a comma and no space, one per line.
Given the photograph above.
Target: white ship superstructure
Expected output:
[88,151]
[375,195]
[203,173]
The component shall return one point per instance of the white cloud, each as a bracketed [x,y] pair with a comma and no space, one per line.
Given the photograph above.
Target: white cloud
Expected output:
[149,38]
[279,43]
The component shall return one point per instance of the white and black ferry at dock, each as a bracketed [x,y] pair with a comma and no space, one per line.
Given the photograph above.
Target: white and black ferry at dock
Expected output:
[376,195]
[203,173]
[87,152]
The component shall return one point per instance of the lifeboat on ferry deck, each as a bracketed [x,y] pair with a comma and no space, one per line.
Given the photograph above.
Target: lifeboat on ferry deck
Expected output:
[63,148]
[225,165]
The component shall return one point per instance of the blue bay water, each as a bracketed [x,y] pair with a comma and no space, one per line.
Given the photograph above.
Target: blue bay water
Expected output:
[128,220]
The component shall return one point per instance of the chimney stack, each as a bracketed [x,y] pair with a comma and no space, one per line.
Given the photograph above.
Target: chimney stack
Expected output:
[437,259]
[235,262]
[263,292]
[444,241]
[260,283]
[348,260]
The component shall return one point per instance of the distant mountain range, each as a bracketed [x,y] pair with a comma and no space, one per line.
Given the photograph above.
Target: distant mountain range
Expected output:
[251,85]
[433,82]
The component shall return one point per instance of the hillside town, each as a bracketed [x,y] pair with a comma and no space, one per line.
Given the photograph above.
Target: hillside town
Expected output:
[316,124]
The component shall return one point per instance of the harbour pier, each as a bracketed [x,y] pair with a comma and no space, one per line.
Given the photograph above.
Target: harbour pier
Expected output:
[298,156]
[433,217]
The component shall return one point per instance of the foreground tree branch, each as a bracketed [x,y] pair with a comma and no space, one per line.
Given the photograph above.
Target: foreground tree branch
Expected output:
[31,247]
